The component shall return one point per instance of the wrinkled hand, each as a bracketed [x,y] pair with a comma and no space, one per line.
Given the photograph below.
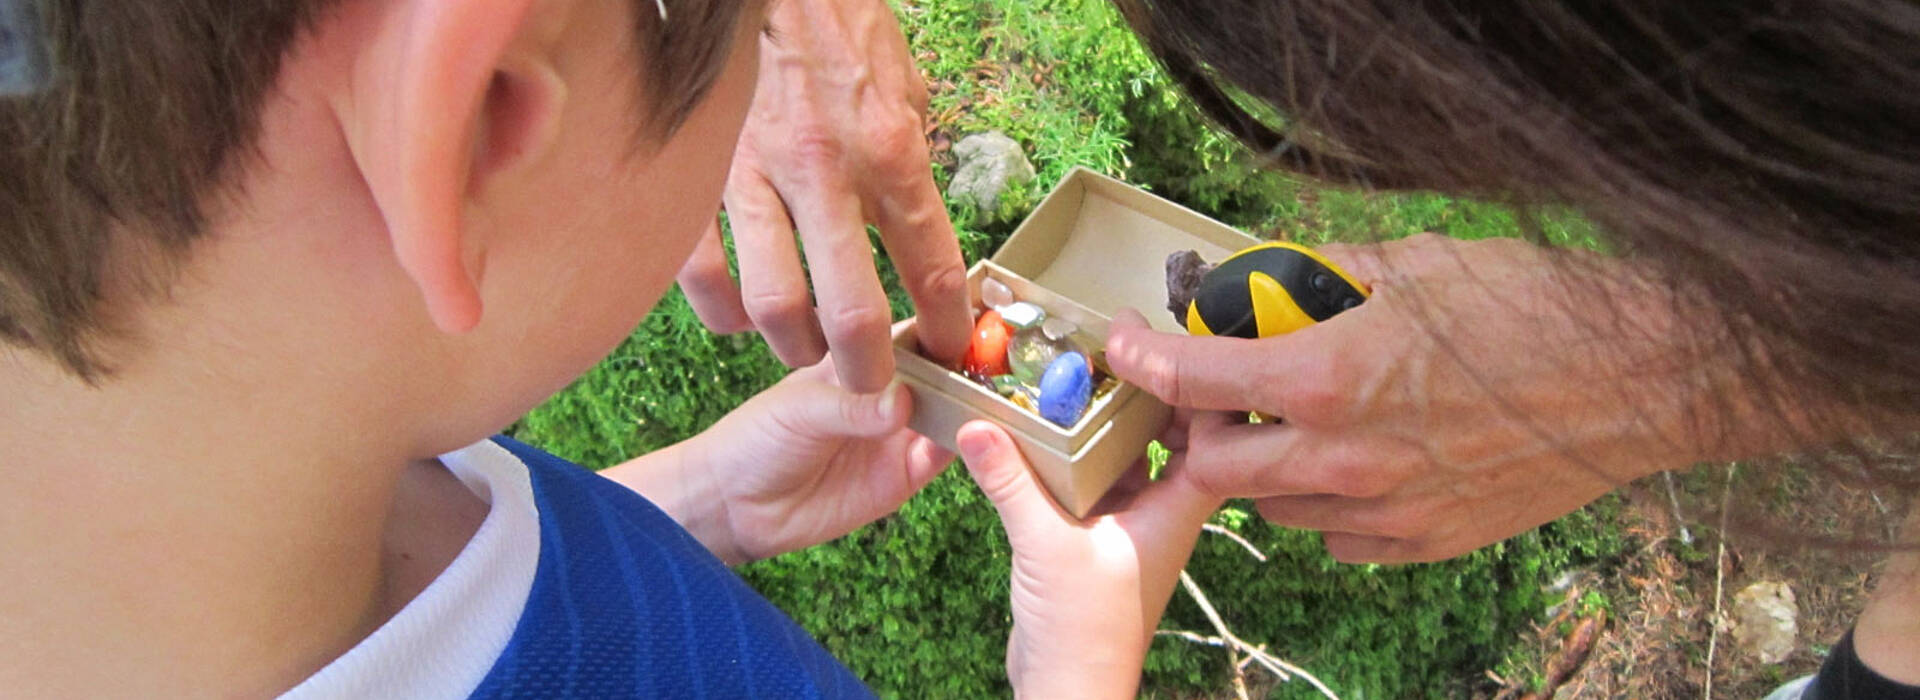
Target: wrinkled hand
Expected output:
[834,141]
[801,463]
[1086,595]
[1484,389]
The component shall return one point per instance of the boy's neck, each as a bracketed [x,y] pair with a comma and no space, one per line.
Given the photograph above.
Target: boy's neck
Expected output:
[217,536]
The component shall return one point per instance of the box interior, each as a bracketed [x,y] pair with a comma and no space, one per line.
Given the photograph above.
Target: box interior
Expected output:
[1093,246]
[1001,410]
[1104,244]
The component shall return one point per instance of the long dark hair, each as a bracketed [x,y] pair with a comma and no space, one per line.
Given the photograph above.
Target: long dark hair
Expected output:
[1763,156]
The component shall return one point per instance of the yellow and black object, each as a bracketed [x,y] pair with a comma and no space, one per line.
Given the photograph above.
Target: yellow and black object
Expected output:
[1270,289]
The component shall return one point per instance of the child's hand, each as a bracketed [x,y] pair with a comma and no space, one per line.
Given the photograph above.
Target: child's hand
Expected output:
[1087,595]
[801,463]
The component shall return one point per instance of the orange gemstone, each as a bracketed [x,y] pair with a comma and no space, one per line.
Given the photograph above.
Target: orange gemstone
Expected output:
[987,354]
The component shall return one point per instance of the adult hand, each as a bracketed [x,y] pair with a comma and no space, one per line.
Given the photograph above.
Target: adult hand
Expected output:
[799,464]
[1086,595]
[833,142]
[1485,388]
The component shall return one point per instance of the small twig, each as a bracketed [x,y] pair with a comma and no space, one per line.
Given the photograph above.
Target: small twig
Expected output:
[1232,645]
[1719,578]
[1673,499]
[1194,637]
[1893,528]
[1235,646]
[1229,534]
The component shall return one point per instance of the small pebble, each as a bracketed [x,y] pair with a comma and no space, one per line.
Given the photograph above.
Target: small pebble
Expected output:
[995,294]
[1025,401]
[1058,328]
[1065,389]
[1021,314]
[987,354]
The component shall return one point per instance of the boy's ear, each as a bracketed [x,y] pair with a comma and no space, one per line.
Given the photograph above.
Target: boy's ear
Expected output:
[447,95]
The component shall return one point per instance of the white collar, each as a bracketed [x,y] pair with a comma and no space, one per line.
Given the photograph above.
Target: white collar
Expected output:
[443,643]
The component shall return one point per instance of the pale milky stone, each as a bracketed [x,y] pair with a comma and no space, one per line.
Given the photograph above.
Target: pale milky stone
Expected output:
[1058,328]
[1021,314]
[995,294]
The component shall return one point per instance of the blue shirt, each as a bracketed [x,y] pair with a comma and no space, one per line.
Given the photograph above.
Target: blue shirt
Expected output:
[626,604]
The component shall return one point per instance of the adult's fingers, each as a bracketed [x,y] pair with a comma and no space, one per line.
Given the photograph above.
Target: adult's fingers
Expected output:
[1175,436]
[1230,457]
[772,286]
[1379,517]
[1365,263]
[709,286]
[853,308]
[920,239]
[1203,372]
[907,205]
[1352,548]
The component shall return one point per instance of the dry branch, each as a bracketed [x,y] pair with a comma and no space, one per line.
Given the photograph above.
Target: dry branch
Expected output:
[1719,579]
[1234,645]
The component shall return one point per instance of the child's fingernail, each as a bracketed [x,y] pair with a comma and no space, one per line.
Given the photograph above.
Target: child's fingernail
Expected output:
[890,400]
[975,444]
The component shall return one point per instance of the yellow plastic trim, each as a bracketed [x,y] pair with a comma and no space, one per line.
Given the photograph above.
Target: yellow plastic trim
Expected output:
[1317,257]
[1195,324]
[1274,310]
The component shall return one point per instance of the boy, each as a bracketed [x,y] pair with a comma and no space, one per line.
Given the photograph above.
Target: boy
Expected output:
[272,270]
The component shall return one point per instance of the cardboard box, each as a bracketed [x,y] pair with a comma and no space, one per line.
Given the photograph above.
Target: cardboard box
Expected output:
[1095,245]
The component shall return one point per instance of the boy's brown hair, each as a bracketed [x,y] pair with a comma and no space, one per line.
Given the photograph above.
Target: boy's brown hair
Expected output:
[148,113]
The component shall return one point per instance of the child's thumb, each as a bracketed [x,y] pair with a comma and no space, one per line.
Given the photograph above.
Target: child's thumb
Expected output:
[1008,481]
[824,410]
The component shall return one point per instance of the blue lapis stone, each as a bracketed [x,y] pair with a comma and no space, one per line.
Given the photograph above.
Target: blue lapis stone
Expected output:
[1065,389]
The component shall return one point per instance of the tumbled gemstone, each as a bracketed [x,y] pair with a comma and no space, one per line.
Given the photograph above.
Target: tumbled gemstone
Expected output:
[1024,399]
[1032,351]
[1021,314]
[1065,389]
[1058,328]
[987,354]
[995,294]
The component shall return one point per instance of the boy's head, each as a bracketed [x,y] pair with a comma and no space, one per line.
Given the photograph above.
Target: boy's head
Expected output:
[291,181]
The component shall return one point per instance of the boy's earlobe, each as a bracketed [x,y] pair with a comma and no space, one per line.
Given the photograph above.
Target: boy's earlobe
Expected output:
[445,97]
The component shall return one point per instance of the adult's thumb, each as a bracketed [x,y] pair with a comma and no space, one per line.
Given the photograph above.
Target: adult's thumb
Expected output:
[996,465]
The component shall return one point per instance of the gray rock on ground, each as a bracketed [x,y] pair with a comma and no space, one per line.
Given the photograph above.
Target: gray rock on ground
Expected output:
[1764,622]
[989,163]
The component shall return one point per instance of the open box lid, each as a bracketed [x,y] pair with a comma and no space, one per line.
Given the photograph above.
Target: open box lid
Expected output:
[1104,244]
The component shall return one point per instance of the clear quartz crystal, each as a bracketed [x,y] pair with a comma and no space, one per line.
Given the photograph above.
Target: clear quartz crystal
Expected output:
[1031,351]
[1058,328]
[995,293]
